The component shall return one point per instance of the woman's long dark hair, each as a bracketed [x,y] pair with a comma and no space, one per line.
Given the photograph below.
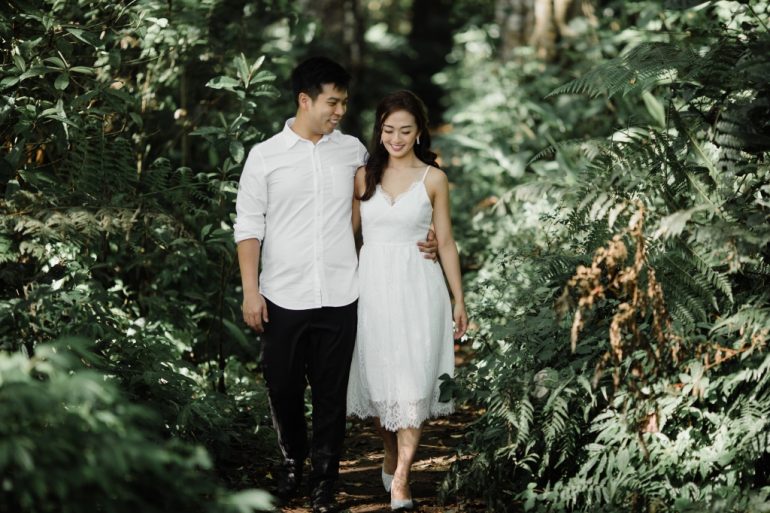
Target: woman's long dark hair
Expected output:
[378,155]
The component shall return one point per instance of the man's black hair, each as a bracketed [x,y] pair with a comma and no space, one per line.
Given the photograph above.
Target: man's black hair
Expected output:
[310,76]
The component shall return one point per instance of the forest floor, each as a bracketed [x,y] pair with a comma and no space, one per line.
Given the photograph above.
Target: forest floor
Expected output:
[360,486]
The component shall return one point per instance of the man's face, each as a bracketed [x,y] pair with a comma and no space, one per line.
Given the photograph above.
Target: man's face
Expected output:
[325,113]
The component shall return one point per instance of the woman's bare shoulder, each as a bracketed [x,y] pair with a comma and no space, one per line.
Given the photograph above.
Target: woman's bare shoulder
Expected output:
[435,177]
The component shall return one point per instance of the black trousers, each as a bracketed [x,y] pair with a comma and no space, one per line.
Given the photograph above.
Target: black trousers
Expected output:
[315,347]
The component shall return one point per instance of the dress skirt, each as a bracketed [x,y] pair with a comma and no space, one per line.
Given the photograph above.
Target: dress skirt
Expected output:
[404,339]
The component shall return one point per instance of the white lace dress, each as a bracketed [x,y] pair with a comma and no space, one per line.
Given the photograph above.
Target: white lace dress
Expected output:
[404,340]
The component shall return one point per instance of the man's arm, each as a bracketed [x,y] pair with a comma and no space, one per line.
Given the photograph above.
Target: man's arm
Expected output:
[249,229]
[254,307]
[359,186]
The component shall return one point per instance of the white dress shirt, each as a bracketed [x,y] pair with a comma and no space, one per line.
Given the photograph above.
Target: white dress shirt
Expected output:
[296,197]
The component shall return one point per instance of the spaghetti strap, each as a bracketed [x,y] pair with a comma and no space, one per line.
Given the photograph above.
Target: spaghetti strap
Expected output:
[425,174]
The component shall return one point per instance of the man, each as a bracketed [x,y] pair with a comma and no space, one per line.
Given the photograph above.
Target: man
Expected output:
[294,210]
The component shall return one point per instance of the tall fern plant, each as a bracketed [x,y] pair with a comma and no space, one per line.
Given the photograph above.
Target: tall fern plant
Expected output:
[658,245]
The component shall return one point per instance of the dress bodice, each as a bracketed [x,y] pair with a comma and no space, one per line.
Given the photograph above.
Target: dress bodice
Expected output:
[404,219]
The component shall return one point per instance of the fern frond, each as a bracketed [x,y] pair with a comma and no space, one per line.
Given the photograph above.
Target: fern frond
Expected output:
[684,4]
[640,69]
[751,319]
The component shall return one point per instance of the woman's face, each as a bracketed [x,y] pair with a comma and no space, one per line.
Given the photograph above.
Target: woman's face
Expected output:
[399,133]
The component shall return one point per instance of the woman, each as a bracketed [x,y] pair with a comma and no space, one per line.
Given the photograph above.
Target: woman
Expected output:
[405,337]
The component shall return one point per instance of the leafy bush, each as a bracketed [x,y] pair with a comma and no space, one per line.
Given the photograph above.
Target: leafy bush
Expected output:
[124,127]
[69,438]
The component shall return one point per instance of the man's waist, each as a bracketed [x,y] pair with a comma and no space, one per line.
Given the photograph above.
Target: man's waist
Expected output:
[309,299]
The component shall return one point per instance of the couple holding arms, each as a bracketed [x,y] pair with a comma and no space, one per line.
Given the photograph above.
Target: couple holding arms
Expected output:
[370,333]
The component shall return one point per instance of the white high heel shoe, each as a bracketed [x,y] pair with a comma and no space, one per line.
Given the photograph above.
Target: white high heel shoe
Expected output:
[387,479]
[400,504]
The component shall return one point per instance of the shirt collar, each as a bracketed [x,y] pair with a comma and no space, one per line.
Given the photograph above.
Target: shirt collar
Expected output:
[290,137]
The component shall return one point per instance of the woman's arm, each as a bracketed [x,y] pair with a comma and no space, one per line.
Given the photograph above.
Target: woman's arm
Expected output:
[438,190]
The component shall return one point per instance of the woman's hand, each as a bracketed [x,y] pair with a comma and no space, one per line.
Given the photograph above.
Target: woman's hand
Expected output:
[461,319]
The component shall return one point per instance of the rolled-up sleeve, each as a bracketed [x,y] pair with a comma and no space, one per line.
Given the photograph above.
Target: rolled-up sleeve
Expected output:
[363,155]
[251,202]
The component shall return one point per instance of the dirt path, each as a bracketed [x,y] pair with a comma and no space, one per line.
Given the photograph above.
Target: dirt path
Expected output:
[360,486]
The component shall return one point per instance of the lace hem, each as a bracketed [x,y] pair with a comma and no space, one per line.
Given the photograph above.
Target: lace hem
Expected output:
[396,415]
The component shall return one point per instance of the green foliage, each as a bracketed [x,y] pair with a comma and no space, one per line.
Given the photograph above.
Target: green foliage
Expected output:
[671,121]
[69,438]
[124,128]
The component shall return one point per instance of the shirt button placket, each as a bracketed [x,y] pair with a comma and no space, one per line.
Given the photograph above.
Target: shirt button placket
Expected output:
[321,223]
[317,246]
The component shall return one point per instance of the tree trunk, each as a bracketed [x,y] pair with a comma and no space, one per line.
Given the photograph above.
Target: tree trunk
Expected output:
[538,23]
[514,17]
[343,21]
[354,28]
[431,40]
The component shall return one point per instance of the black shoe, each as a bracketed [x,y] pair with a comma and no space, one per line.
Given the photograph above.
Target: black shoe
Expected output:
[323,498]
[289,484]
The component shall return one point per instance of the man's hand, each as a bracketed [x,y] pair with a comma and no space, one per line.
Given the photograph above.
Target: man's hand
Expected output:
[255,312]
[429,247]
